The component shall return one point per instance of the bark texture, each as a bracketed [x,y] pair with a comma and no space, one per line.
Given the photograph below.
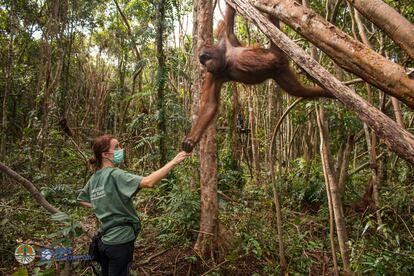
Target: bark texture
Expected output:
[396,26]
[206,244]
[161,76]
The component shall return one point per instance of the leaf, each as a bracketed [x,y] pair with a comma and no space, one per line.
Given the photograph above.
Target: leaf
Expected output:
[66,231]
[296,221]
[190,259]
[78,230]
[60,216]
[381,227]
[366,227]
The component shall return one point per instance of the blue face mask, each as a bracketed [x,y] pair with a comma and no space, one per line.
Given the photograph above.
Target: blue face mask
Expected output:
[118,156]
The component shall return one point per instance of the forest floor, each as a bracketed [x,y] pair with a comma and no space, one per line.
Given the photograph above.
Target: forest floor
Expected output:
[152,258]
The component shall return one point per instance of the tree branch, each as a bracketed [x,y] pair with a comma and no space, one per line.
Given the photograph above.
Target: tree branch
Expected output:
[30,187]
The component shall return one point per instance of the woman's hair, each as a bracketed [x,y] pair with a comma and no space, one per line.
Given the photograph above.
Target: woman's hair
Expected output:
[100,144]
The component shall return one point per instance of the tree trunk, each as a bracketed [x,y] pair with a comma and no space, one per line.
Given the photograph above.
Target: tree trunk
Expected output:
[51,73]
[137,73]
[399,140]
[70,21]
[371,138]
[197,69]
[308,146]
[332,8]
[206,244]
[128,27]
[397,112]
[371,144]
[8,85]
[344,163]
[331,214]
[345,51]
[283,263]
[253,137]
[333,189]
[237,127]
[161,75]
[390,21]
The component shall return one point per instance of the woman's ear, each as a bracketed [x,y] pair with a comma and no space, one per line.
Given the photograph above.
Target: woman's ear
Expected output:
[106,155]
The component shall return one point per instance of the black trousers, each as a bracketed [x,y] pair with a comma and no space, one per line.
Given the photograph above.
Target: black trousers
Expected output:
[116,259]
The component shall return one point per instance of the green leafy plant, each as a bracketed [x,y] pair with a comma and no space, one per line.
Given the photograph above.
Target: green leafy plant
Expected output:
[180,210]
[68,230]
[230,178]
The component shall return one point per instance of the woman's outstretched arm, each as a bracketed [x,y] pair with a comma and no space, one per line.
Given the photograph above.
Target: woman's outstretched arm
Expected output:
[155,177]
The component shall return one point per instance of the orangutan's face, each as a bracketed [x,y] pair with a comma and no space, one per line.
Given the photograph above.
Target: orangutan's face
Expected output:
[213,58]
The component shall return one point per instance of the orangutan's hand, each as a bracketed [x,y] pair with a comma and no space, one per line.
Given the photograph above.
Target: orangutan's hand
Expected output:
[187,144]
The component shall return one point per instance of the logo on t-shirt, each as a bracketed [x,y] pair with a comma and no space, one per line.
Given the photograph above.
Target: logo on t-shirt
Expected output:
[97,193]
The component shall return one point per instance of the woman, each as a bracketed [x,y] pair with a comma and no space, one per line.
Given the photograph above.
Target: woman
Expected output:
[109,192]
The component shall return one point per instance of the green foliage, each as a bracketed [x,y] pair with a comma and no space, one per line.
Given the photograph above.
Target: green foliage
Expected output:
[60,193]
[68,230]
[251,223]
[180,210]
[251,245]
[229,177]
[375,255]
[305,185]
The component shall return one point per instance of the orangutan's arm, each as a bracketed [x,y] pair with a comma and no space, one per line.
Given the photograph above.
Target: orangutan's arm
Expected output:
[209,103]
[229,26]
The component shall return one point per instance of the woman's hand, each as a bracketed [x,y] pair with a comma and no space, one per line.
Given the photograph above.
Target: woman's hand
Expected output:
[152,179]
[181,156]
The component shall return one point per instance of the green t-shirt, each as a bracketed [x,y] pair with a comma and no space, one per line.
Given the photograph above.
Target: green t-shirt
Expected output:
[113,205]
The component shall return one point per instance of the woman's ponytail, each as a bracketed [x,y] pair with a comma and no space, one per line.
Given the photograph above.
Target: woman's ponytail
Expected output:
[100,145]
